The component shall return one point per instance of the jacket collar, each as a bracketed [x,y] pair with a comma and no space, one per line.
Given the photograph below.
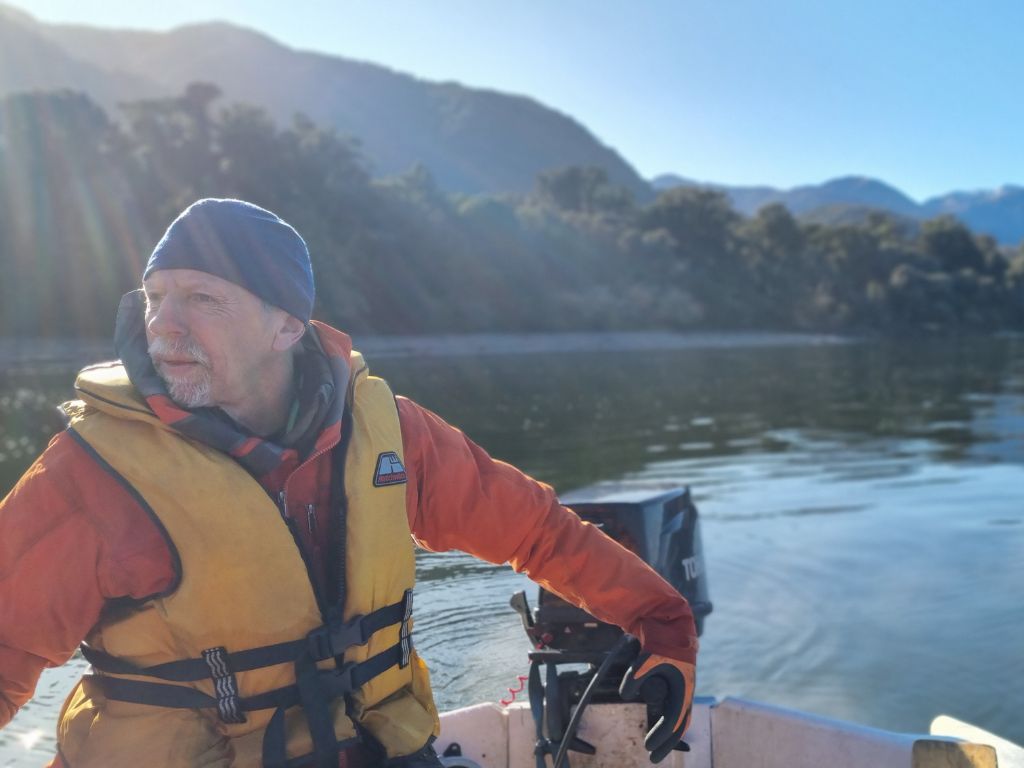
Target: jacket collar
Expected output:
[136,391]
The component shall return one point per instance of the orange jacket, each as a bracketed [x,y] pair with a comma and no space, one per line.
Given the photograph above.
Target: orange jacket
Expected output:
[72,540]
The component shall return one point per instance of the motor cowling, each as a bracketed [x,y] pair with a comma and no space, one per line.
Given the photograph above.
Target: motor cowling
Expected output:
[663,530]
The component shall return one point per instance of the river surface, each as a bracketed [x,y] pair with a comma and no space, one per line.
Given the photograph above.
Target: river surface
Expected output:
[862,507]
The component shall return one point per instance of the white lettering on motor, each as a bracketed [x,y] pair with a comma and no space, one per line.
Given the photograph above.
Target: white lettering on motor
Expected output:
[693,566]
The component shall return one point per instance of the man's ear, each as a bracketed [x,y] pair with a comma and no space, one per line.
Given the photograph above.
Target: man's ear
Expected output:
[288,333]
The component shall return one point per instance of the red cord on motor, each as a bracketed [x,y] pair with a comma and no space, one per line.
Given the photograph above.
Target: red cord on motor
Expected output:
[522,684]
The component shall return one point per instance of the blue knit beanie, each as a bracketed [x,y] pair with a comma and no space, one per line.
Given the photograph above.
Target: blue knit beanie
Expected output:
[245,245]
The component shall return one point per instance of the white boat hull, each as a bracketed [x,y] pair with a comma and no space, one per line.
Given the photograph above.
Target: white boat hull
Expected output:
[734,733]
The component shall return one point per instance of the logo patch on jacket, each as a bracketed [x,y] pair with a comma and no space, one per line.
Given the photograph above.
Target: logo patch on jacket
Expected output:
[389,470]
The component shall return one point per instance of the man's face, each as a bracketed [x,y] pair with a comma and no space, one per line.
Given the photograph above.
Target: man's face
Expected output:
[208,337]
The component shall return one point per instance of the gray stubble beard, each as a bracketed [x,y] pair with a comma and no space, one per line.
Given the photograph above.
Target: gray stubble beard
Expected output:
[187,394]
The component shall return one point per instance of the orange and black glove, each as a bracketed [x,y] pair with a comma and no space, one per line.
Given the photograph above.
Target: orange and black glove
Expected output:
[667,685]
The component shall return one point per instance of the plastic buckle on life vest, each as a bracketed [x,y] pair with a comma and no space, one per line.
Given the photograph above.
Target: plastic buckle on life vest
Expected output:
[333,639]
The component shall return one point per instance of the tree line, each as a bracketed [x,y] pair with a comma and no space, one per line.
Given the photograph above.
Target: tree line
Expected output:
[85,195]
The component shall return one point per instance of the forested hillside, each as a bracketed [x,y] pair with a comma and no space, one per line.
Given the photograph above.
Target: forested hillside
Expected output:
[473,140]
[84,197]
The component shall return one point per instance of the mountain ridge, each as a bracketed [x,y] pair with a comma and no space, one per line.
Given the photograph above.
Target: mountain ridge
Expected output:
[473,140]
[996,212]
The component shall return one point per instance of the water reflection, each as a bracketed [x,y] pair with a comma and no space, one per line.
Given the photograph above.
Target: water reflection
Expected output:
[575,419]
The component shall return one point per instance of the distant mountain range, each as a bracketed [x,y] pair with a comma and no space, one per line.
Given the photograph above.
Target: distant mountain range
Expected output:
[472,140]
[999,212]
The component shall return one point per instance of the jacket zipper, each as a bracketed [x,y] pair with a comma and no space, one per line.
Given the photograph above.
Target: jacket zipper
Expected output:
[282,498]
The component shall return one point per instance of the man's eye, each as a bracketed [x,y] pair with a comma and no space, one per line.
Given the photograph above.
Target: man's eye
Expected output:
[202,298]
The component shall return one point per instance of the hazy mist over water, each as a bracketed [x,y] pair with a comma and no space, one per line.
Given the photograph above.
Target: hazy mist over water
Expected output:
[862,514]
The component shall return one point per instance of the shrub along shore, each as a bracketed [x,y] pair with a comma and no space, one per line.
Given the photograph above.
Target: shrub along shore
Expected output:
[85,195]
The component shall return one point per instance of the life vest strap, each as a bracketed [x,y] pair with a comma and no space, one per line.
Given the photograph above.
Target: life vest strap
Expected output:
[322,643]
[315,696]
[274,755]
[192,670]
[334,682]
[334,638]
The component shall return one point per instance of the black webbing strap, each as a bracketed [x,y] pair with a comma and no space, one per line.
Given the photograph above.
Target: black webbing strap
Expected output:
[183,697]
[316,704]
[337,682]
[229,707]
[323,643]
[315,699]
[274,755]
[191,670]
[154,694]
[335,638]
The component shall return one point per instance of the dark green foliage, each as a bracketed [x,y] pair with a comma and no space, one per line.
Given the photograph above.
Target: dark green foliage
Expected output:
[84,197]
[582,190]
[951,245]
[700,220]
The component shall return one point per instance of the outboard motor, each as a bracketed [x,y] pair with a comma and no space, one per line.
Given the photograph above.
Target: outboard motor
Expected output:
[663,530]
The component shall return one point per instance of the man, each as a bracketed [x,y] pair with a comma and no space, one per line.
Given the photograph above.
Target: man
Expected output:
[227,520]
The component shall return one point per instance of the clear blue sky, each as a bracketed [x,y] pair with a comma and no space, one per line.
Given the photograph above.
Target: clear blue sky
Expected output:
[925,95]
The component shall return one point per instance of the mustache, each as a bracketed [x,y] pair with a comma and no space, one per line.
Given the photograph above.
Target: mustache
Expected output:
[163,347]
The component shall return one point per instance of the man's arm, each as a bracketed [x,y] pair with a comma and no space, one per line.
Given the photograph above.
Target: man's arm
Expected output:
[70,538]
[461,498]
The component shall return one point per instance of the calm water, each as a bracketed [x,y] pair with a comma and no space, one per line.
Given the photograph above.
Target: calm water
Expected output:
[862,505]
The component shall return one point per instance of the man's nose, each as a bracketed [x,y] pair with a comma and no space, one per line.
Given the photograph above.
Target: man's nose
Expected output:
[166,319]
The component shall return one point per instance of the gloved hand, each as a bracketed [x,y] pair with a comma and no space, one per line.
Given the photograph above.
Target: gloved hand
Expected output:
[668,683]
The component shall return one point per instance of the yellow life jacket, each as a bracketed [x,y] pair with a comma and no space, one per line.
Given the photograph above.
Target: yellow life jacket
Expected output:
[236,664]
